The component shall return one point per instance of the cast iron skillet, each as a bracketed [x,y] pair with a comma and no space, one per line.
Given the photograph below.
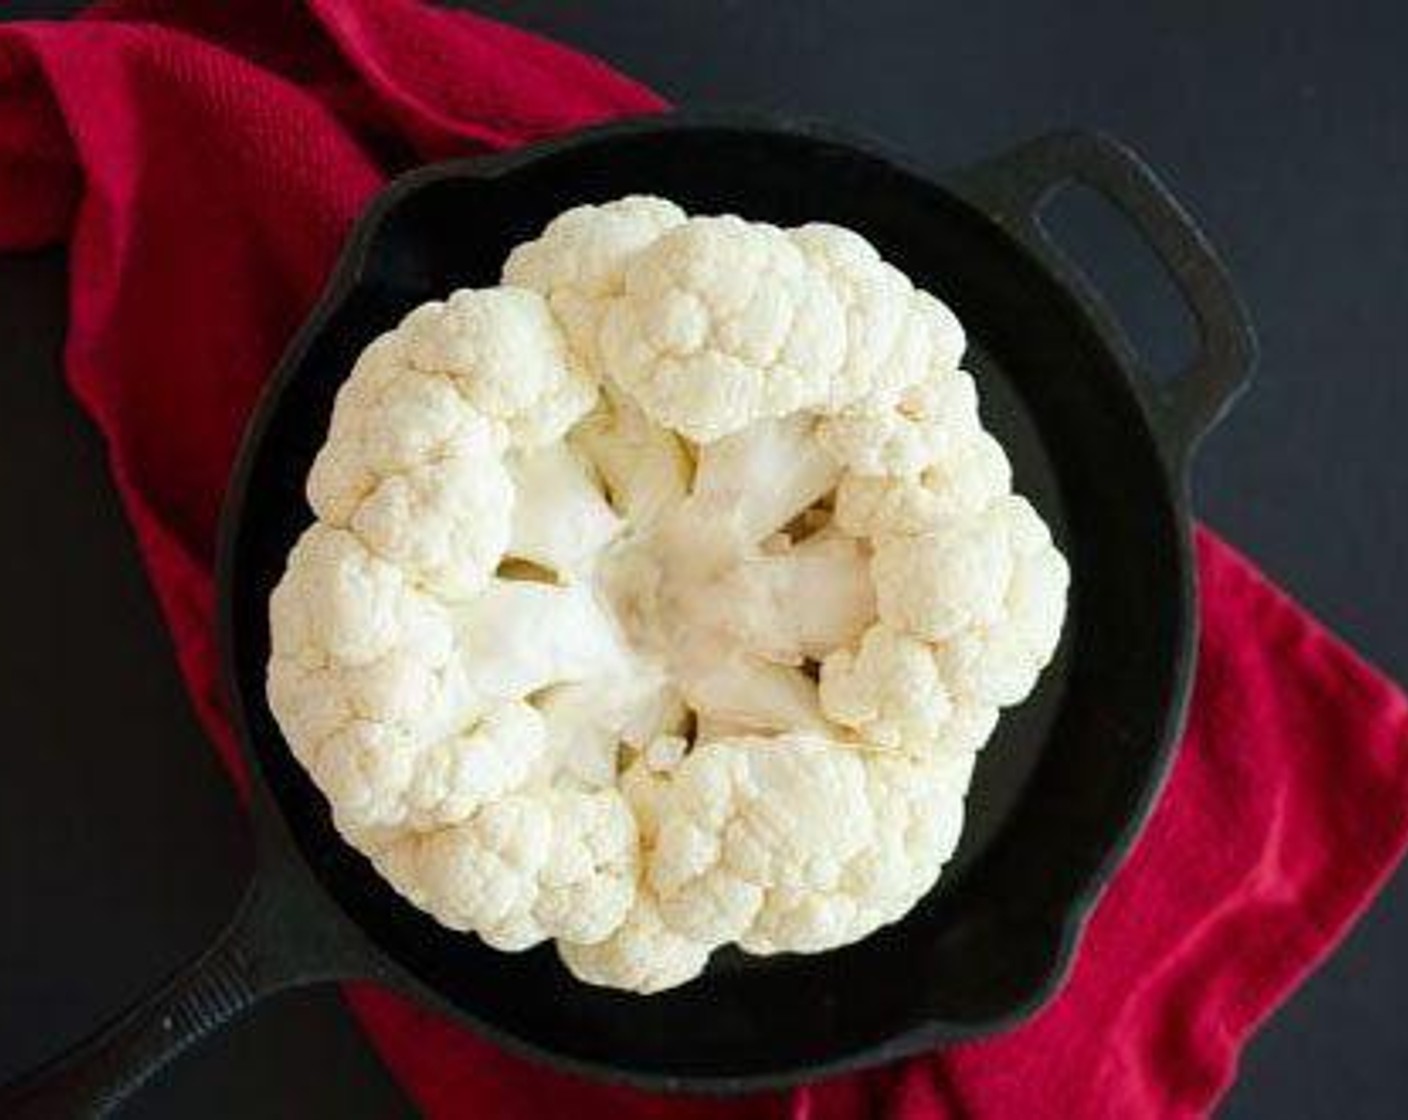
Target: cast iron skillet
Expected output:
[1059,795]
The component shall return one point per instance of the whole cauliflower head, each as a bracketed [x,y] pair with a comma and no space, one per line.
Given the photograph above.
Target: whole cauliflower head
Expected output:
[660,598]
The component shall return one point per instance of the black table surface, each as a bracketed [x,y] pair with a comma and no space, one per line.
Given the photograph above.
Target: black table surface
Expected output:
[1281,123]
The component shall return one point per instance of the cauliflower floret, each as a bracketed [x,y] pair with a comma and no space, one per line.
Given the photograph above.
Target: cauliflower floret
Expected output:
[354,640]
[990,594]
[527,867]
[389,419]
[916,834]
[446,522]
[998,664]
[935,584]
[917,814]
[744,819]
[888,690]
[393,701]
[577,262]
[963,482]
[341,611]
[414,472]
[723,322]
[894,333]
[643,955]
[377,777]
[464,772]
[363,678]
[798,844]
[899,440]
[507,357]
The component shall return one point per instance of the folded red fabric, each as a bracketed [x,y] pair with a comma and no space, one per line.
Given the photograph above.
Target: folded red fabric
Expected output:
[203,160]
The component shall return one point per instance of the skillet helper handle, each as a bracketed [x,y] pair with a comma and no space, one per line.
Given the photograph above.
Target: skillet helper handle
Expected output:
[1011,188]
[243,966]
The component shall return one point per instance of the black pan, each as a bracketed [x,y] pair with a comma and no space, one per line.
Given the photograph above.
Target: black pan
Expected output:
[1059,795]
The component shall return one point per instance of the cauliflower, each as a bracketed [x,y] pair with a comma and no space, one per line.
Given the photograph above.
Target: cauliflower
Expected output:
[888,690]
[646,470]
[749,824]
[364,679]
[414,472]
[446,521]
[998,664]
[723,322]
[990,594]
[530,866]
[894,334]
[661,598]
[937,583]
[352,638]
[561,520]
[507,357]
[797,843]
[900,439]
[578,262]
[589,723]
[965,480]
[916,832]
[643,954]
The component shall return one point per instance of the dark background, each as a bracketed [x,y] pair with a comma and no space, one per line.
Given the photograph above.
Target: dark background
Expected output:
[1281,124]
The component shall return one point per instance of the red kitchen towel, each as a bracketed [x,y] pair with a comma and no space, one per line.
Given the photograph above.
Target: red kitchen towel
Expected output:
[203,159]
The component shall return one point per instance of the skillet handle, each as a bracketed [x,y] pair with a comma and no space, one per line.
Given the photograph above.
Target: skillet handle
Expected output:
[98,1074]
[285,933]
[1011,188]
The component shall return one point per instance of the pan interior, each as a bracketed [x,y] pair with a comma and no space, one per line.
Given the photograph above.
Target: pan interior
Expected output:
[1066,774]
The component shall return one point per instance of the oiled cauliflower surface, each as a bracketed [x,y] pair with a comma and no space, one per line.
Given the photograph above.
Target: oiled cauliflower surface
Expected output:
[661,597]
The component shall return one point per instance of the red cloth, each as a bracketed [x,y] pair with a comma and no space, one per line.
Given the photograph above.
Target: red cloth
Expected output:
[203,161]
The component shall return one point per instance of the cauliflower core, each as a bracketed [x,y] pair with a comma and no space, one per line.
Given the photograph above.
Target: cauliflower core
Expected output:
[661,597]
